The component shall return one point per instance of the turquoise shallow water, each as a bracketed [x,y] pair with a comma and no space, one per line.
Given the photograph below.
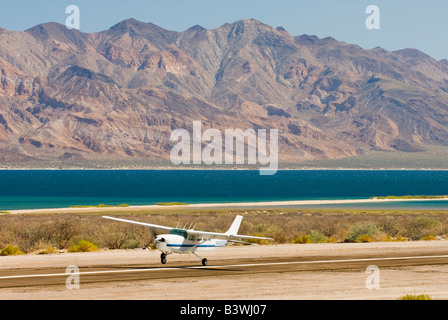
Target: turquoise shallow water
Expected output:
[32,189]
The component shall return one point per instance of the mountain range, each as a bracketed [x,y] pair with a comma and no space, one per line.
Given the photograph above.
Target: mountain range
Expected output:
[118,94]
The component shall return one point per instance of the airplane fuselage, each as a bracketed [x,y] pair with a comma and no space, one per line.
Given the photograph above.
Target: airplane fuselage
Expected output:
[173,243]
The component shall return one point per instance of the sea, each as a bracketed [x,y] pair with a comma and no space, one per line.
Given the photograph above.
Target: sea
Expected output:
[38,189]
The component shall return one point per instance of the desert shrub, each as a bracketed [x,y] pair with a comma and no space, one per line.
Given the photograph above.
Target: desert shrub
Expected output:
[42,247]
[421,227]
[48,250]
[63,230]
[328,225]
[317,237]
[362,231]
[10,250]
[36,233]
[123,236]
[391,227]
[303,239]
[415,297]
[261,228]
[275,232]
[364,238]
[83,246]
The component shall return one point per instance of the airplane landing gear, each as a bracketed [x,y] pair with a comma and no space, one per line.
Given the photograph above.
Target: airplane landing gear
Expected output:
[163,258]
[203,260]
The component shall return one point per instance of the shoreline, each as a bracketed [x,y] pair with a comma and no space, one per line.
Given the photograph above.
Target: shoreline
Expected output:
[259,205]
[220,169]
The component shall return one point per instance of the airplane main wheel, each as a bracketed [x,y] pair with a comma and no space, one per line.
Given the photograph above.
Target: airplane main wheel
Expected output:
[163,258]
[204,262]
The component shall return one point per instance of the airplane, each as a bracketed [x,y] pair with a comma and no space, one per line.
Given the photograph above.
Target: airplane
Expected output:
[190,240]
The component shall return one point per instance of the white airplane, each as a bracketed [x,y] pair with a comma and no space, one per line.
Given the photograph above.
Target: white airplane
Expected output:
[190,240]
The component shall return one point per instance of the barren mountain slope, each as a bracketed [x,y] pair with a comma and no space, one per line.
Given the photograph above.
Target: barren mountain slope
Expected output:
[120,92]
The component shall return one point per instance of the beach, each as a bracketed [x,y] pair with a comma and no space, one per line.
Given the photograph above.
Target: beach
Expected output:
[266,204]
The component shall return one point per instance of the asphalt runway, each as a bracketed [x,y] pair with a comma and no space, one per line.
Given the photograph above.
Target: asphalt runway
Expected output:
[44,277]
[280,272]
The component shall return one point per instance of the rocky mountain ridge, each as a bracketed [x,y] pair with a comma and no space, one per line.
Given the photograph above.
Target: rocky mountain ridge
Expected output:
[118,93]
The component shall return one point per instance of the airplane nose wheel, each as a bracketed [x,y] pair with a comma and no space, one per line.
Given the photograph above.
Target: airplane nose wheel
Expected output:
[204,261]
[163,258]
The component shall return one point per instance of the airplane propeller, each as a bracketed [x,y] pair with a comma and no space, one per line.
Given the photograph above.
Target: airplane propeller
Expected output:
[158,239]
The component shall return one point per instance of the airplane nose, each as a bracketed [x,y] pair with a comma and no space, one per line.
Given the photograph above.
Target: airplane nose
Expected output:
[159,239]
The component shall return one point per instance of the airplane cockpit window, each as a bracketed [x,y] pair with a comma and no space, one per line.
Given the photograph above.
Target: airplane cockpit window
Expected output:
[179,232]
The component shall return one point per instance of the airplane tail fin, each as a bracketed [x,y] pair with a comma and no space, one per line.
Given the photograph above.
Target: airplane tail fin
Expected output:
[235,226]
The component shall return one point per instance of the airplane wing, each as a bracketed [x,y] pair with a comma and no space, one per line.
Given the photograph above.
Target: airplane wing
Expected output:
[149,225]
[215,235]
[225,236]
[241,237]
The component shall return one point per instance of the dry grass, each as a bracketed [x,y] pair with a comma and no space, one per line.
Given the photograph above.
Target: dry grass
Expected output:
[33,233]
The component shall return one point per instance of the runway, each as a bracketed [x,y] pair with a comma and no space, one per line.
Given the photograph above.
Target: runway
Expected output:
[25,278]
[272,269]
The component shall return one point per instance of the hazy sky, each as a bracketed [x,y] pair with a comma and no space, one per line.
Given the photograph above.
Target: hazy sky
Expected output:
[404,23]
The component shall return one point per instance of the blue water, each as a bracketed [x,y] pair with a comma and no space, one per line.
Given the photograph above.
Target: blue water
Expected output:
[28,189]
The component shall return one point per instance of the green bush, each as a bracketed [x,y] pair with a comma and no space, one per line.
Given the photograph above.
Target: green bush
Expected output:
[312,237]
[171,204]
[364,238]
[317,237]
[415,297]
[83,246]
[363,232]
[10,250]
[303,239]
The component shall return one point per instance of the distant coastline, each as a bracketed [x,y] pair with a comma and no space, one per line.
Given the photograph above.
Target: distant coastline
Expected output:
[259,205]
[223,169]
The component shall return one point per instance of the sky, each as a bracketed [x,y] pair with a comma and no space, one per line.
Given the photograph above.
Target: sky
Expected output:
[403,23]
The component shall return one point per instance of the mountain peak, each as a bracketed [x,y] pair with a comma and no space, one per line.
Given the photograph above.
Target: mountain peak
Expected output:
[56,31]
[48,29]
[127,24]
[197,28]
[155,34]
[412,53]
[252,23]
